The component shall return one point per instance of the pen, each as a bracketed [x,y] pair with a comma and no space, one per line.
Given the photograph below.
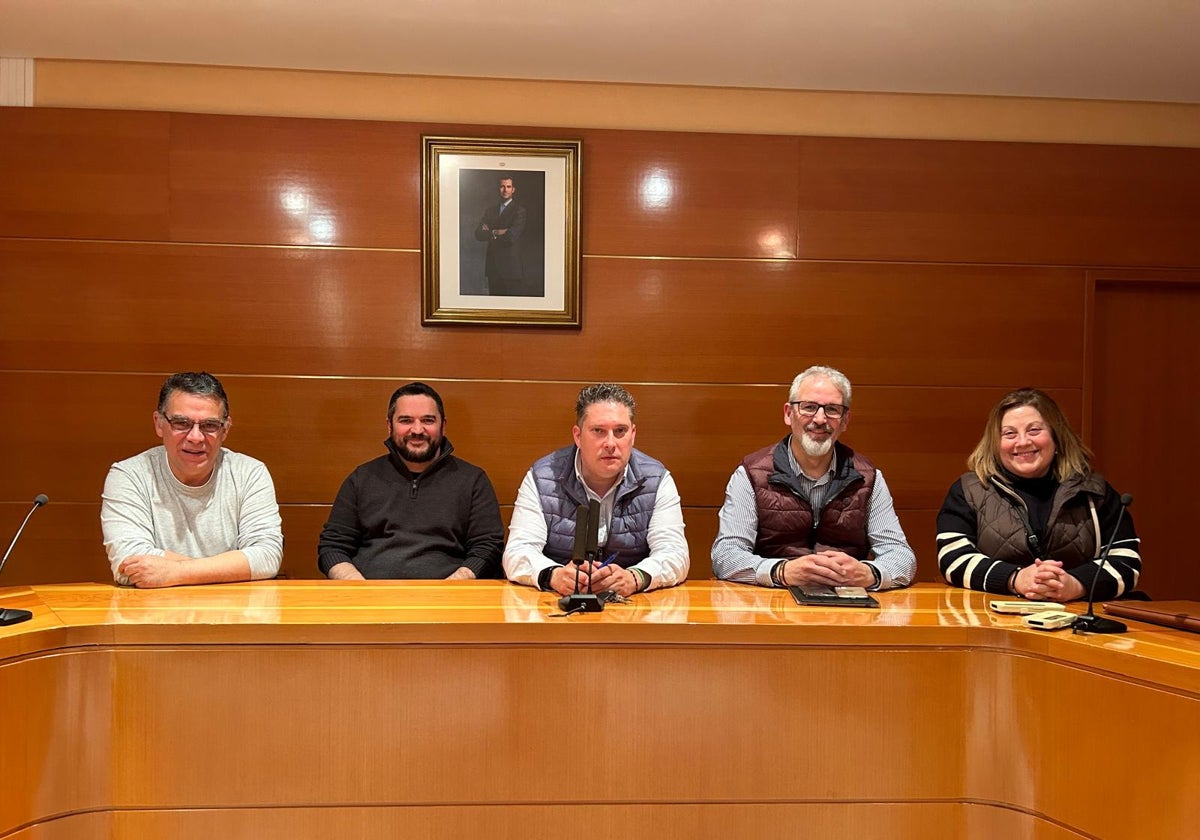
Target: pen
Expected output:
[608,560]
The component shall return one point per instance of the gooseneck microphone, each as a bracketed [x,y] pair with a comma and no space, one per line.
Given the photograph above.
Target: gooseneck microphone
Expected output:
[1089,622]
[579,552]
[587,530]
[14,616]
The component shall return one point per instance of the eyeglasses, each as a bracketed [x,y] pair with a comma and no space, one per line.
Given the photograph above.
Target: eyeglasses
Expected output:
[184,425]
[833,411]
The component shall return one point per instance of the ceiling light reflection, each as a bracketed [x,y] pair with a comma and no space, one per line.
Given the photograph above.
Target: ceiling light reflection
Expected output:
[294,199]
[774,243]
[657,189]
[322,229]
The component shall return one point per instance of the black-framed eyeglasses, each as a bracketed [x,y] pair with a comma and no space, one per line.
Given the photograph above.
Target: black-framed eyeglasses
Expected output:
[184,425]
[833,411]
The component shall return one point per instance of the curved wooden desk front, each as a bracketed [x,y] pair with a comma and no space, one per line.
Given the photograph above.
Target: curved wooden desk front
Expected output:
[301,709]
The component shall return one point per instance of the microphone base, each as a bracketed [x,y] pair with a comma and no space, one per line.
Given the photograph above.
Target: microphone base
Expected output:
[8,617]
[580,603]
[1098,624]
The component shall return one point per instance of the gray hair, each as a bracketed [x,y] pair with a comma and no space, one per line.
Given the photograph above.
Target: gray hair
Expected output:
[604,392]
[834,375]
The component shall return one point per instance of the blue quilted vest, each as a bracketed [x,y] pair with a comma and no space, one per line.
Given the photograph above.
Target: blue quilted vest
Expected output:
[562,492]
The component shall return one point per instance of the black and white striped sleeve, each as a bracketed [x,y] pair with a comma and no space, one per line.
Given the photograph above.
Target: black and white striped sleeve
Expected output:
[1124,565]
[960,560]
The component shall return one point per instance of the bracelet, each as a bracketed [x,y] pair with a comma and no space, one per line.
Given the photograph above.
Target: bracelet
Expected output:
[1012,584]
[779,573]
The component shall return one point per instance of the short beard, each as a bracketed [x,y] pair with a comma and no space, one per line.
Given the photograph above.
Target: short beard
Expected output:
[429,454]
[815,449]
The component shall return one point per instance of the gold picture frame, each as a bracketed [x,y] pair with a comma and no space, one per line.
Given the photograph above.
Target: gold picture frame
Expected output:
[497,252]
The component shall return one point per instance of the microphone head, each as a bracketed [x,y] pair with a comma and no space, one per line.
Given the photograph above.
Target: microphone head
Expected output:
[1126,499]
[593,528]
[581,529]
[41,499]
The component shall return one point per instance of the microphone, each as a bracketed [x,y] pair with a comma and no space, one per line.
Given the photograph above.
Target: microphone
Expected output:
[15,616]
[1089,622]
[581,525]
[587,529]
[591,546]
[577,554]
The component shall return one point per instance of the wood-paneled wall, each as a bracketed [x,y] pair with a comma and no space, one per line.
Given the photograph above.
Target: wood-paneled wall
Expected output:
[936,274]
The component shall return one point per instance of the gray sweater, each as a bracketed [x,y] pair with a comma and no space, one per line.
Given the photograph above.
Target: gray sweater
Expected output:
[146,510]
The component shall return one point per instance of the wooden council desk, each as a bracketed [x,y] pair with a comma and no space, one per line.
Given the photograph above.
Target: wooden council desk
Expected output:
[300,709]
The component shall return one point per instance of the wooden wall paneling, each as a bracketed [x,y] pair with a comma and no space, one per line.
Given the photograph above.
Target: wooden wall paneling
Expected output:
[920,529]
[1144,417]
[83,174]
[682,194]
[264,180]
[302,311]
[273,180]
[302,526]
[737,321]
[1048,204]
[61,544]
[317,311]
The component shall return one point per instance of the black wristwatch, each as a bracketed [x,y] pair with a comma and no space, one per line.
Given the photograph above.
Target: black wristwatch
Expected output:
[544,577]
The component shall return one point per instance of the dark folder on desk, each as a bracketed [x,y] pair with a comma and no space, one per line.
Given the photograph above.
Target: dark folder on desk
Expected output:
[828,596]
[1184,615]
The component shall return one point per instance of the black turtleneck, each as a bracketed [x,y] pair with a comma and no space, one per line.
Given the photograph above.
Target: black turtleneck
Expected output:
[1038,495]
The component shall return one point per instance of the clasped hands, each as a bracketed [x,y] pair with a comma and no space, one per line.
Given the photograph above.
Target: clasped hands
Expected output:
[1047,580]
[826,568]
[609,578]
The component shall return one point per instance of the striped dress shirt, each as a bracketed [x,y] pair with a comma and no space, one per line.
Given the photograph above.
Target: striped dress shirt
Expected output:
[733,556]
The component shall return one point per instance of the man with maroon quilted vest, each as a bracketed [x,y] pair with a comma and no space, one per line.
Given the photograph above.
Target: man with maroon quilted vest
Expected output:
[810,511]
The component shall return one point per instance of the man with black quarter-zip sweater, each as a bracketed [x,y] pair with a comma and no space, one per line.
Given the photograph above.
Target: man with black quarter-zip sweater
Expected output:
[418,512]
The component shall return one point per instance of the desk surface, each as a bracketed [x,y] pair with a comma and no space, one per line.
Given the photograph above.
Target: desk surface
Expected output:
[482,612]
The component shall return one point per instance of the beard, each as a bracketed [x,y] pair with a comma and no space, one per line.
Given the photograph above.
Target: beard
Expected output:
[419,456]
[816,448]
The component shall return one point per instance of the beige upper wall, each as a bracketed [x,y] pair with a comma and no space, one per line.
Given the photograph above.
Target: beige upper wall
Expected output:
[298,93]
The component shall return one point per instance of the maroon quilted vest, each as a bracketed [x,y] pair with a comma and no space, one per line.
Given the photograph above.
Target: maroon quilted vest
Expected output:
[785,518]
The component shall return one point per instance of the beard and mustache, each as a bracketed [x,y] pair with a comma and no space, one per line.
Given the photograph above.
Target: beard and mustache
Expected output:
[418,456]
[817,448]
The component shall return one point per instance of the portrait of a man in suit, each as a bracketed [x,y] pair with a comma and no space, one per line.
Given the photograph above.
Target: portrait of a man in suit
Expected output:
[501,227]
[511,227]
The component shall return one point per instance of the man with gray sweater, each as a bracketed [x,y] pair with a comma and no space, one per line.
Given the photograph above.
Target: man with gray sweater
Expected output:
[190,511]
[416,512]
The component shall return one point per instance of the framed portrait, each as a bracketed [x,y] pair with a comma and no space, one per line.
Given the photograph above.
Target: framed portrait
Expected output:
[500,231]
